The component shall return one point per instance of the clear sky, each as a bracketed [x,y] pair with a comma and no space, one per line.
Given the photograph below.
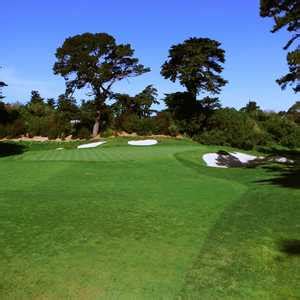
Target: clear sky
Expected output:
[31,31]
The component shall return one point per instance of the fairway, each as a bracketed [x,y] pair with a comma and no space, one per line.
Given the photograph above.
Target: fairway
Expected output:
[125,222]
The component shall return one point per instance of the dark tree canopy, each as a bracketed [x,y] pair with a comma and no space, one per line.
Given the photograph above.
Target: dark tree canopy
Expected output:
[251,107]
[51,102]
[36,98]
[286,14]
[145,100]
[139,104]
[2,85]
[96,61]
[67,106]
[196,63]
[295,108]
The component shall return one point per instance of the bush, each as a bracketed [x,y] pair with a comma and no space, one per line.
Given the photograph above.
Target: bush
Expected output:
[282,131]
[131,123]
[213,137]
[107,133]
[292,140]
[145,126]
[173,130]
[229,127]
[162,123]
[84,133]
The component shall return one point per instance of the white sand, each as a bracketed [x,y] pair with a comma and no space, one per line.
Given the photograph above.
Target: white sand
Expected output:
[59,149]
[91,145]
[211,159]
[143,143]
[283,160]
[242,157]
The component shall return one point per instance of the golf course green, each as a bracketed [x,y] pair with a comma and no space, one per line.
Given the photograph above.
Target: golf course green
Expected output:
[125,222]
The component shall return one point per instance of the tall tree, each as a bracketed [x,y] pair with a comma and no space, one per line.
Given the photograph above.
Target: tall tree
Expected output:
[286,14]
[294,112]
[67,107]
[96,61]
[144,101]
[51,102]
[251,107]
[197,64]
[139,104]
[36,98]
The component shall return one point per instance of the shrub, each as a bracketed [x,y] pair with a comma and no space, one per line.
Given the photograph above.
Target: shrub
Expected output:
[213,137]
[173,130]
[162,122]
[232,128]
[145,126]
[292,140]
[282,131]
[84,133]
[107,133]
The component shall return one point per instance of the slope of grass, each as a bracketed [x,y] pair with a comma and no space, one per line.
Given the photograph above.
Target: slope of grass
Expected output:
[253,250]
[142,223]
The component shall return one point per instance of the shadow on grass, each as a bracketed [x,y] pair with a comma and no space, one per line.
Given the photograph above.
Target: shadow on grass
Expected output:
[9,148]
[285,174]
[290,247]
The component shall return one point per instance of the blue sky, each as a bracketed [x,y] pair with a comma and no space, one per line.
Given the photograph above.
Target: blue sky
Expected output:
[32,30]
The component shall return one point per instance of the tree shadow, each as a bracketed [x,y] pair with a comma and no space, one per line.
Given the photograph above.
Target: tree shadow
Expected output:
[286,174]
[290,247]
[9,148]
[227,160]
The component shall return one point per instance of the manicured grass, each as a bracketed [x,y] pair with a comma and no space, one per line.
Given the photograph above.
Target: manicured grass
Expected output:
[123,222]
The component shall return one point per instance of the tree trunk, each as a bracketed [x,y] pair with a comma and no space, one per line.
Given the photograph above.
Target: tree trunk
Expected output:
[96,124]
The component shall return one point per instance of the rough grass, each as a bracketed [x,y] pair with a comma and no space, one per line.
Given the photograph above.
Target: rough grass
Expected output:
[123,222]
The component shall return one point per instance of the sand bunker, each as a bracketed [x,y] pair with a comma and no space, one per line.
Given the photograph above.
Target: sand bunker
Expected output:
[143,143]
[91,145]
[211,160]
[283,160]
[224,159]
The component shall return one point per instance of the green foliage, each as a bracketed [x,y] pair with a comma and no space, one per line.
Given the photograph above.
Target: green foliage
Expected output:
[190,115]
[107,133]
[173,130]
[2,85]
[251,108]
[98,62]
[36,98]
[229,127]
[84,133]
[294,112]
[293,77]
[286,14]
[282,131]
[162,123]
[139,104]
[131,123]
[196,63]
[11,122]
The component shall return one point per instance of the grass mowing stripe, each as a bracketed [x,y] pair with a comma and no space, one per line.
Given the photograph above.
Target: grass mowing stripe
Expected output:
[142,223]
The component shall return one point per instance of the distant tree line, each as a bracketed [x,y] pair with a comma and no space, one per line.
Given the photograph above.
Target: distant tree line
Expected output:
[97,62]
